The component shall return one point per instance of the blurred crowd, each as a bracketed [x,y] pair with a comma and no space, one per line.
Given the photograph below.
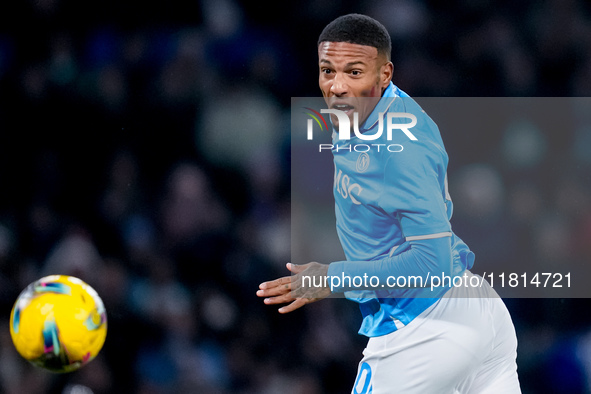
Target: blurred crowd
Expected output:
[144,147]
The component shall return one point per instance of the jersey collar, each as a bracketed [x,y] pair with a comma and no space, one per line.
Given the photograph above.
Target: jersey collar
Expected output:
[388,97]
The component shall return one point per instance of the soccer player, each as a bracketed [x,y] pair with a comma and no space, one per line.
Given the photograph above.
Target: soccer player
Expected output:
[393,217]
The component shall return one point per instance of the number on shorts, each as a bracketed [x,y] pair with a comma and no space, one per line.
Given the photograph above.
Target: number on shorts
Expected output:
[362,383]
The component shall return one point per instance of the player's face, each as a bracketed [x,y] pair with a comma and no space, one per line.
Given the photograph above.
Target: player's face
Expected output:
[350,71]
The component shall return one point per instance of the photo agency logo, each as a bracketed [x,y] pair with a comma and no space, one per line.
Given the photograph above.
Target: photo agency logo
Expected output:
[391,119]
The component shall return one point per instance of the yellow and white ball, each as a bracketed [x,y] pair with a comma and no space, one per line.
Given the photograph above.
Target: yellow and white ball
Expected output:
[58,323]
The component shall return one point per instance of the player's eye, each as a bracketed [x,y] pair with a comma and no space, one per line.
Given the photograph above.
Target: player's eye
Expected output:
[356,73]
[325,70]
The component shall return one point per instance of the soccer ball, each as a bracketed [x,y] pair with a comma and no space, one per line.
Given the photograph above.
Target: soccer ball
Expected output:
[58,323]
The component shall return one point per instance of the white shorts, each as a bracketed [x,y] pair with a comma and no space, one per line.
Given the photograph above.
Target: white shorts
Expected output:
[464,343]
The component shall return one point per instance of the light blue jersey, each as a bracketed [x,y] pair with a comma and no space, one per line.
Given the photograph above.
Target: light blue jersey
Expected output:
[390,195]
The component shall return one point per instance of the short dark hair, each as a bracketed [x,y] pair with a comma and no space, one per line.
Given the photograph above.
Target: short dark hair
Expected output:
[358,29]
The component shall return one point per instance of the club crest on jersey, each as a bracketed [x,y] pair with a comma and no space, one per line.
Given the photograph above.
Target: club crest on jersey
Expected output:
[362,162]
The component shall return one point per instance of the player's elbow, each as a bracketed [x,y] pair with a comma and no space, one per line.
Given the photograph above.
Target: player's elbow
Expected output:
[436,255]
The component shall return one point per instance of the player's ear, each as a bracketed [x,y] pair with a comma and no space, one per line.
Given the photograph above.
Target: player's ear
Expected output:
[386,73]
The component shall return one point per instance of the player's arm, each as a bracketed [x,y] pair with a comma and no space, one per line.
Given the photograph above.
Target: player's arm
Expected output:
[313,281]
[422,258]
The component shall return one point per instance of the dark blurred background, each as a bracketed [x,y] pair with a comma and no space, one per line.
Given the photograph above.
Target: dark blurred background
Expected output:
[144,147]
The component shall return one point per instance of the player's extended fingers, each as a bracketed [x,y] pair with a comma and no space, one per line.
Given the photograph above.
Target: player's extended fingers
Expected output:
[296,286]
[275,283]
[275,291]
[296,304]
[275,287]
[280,299]
[297,268]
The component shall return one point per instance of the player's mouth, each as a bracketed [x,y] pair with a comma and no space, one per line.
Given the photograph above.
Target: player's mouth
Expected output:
[346,108]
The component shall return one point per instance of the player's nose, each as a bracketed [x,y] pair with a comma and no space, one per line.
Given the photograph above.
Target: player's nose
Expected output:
[339,87]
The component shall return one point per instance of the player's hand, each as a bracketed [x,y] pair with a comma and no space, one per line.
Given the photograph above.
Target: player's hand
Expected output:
[290,289]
